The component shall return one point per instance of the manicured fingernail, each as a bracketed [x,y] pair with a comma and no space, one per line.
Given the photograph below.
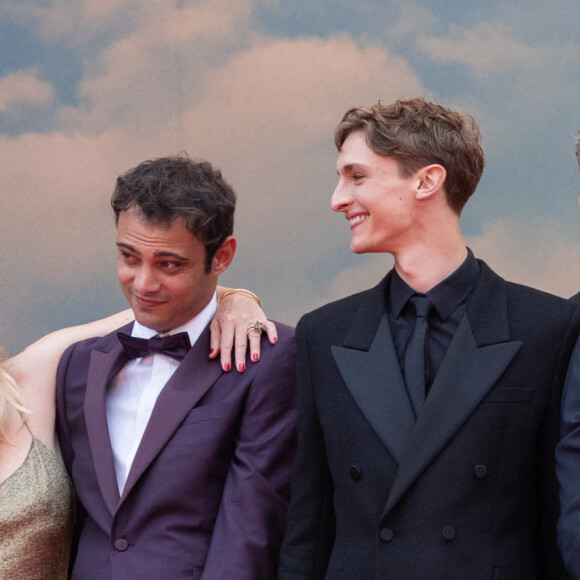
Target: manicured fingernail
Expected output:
[255,357]
[227,367]
[211,351]
[275,340]
[242,368]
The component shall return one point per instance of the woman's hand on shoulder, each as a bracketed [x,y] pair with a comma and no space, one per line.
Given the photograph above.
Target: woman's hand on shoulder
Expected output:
[231,327]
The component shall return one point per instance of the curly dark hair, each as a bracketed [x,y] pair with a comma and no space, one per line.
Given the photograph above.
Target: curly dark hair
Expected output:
[167,188]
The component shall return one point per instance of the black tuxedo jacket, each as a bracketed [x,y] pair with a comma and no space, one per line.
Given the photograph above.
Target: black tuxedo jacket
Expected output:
[467,491]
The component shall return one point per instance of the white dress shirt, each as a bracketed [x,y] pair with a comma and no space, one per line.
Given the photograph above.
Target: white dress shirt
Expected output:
[134,391]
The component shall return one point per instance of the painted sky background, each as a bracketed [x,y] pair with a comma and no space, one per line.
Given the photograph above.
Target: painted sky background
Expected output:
[90,88]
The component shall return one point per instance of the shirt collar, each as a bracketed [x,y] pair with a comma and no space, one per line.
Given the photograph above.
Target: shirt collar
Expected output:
[446,296]
[193,327]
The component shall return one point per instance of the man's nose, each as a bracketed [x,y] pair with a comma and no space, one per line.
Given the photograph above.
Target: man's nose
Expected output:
[341,199]
[146,280]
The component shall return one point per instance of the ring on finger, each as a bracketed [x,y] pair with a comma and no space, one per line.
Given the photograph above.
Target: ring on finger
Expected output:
[258,326]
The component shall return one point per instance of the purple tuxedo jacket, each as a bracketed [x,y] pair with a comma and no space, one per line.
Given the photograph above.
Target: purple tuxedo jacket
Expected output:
[208,490]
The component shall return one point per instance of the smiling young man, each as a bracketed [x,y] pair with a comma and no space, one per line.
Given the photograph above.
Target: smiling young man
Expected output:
[428,405]
[181,469]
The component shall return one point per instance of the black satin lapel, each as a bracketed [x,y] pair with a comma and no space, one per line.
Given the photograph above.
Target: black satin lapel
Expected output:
[375,382]
[102,368]
[192,379]
[465,377]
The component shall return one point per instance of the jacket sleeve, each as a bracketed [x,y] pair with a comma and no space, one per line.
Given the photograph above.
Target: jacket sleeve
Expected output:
[568,469]
[310,533]
[252,516]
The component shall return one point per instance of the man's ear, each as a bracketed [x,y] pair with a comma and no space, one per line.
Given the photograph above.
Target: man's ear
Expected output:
[224,256]
[431,179]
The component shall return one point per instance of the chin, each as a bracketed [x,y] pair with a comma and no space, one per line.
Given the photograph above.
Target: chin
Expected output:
[148,322]
[358,249]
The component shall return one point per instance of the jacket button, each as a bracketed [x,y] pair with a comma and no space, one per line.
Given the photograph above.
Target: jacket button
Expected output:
[121,545]
[448,533]
[386,535]
[355,473]
[480,471]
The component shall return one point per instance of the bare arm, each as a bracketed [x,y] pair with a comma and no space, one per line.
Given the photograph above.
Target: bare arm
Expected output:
[34,369]
[42,356]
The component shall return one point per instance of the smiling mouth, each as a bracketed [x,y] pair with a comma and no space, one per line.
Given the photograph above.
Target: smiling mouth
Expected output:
[145,302]
[357,219]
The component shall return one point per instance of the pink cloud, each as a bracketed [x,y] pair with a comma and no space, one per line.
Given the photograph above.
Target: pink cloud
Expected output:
[24,87]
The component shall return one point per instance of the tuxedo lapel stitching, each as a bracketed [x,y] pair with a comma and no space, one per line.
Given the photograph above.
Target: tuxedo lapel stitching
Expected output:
[103,367]
[376,384]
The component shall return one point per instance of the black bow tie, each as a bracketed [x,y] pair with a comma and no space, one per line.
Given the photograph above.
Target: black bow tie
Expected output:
[174,345]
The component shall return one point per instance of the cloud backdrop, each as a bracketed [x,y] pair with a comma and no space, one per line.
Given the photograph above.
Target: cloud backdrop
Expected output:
[89,89]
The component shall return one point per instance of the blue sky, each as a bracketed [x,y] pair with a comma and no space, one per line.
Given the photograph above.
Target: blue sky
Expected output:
[89,89]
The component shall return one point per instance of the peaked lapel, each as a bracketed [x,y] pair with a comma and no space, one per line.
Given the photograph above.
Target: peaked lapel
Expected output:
[103,367]
[374,380]
[188,384]
[369,367]
[477,356]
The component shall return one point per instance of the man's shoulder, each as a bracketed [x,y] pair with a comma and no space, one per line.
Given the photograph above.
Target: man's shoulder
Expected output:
[100,343]
[529,309]
[285,345]
[522,292]
[345,307]
[539,299]
[284,331]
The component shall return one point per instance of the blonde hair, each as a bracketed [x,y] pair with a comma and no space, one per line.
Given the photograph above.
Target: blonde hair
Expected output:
[9,397]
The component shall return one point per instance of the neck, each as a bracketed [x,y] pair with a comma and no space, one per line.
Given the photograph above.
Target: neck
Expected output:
[424,265]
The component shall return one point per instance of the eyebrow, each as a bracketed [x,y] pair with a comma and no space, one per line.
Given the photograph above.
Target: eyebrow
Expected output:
[160,254]
[351,167]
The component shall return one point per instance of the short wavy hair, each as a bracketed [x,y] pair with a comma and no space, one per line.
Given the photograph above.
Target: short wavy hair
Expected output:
[167,188]
[417,133]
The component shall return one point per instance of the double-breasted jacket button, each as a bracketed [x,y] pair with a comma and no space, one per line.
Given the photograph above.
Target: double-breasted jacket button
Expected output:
[480,471]
[448,533]
[355,473]
[386,535]
[121,544]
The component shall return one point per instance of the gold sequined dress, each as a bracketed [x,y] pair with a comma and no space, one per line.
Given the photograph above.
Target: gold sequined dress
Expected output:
[36,518]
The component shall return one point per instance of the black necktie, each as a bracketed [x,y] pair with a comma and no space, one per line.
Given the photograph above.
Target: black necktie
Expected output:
[174,345]
[415,357]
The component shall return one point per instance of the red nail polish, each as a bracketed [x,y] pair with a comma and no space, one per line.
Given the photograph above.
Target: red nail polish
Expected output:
[242,368]
[275,340]
[227,367]
[255,357]
[211,351]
